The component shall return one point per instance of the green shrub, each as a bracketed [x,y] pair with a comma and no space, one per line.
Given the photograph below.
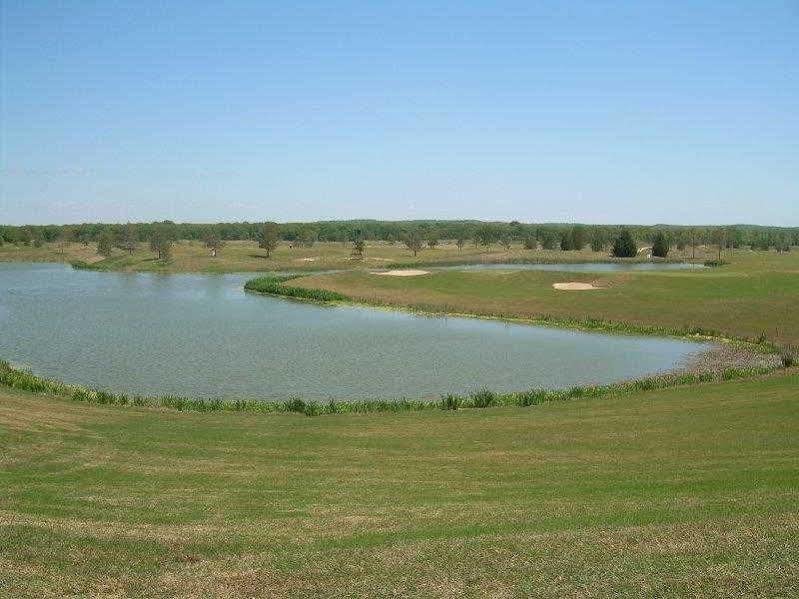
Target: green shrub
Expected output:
[660,246]
[624,245]
[295,404]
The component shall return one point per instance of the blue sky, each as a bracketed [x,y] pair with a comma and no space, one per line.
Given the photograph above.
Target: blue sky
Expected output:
[597,112]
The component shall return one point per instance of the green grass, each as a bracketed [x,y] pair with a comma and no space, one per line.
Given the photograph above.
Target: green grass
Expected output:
[675,492]
[245,256]
[754,296]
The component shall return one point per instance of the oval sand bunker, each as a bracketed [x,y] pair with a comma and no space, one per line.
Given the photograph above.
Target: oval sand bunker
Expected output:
[410,272]
[574,286]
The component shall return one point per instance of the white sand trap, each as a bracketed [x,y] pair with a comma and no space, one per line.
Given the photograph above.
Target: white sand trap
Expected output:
[410,272]
[574,286]
[314,259]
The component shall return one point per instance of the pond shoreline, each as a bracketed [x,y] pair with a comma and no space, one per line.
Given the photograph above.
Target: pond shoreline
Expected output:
[15,378]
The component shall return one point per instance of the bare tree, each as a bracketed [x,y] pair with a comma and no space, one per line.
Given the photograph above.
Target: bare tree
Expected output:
[413,241]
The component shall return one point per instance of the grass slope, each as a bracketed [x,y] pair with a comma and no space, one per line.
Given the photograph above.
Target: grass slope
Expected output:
[756,294]
[677,492]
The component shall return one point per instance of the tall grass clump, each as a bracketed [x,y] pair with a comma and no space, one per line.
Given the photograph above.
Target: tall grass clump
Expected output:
[275,285]
[483,398]
[451,402]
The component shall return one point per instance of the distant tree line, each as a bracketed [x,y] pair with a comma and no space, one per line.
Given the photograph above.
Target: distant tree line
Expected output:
[414,234]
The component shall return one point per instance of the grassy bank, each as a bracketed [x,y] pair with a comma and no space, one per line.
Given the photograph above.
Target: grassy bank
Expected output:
[754,296]
[674,492]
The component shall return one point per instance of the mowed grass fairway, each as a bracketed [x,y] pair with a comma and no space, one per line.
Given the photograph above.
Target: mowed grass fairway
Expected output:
[680,492]
[756,294]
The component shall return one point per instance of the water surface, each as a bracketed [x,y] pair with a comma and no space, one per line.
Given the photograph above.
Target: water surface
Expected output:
[203,336]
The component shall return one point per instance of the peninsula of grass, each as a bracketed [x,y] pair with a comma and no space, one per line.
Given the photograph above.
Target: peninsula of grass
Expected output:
[753,297]
[276,285]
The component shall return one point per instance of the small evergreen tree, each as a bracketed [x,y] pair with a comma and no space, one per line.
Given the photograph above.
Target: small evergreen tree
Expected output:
[624,245]
[660,245]
[530,243]
[566,241]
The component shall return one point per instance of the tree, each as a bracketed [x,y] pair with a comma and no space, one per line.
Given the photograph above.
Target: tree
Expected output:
[460,241]
[62,243]
[577,237]
[660,245]
[432,242]
[413,241]
[719,238]
[129,238]
[161,241]
[530,242]
[213,241]
[566,241]
[485,235]
[624,245]
[505,242]
[358,246]
[597,240]
[105,244]
[268,237]
[548,240]
[308,236]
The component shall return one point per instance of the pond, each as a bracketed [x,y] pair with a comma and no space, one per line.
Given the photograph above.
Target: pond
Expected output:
[578,266]
[203,336]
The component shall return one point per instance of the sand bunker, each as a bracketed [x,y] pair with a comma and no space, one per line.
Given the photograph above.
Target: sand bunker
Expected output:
[410,272]
[574,286]
[314,259]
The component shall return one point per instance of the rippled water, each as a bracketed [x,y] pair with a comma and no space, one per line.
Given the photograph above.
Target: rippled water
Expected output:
[202,335]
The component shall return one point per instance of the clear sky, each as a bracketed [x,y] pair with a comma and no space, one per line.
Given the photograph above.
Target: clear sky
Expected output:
[598,112]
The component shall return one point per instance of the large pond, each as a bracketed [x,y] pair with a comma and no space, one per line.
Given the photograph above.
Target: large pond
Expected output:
[578,266]
[203,336]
